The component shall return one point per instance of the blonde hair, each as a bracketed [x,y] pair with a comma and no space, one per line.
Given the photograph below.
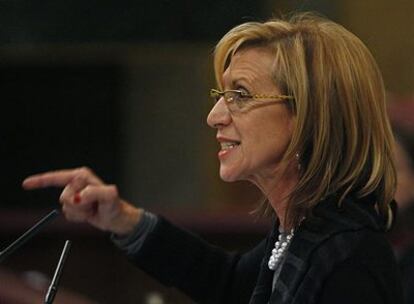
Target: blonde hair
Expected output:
[342,133]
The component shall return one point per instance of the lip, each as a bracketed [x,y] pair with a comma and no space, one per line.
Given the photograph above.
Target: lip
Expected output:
[222,154]
[223,139]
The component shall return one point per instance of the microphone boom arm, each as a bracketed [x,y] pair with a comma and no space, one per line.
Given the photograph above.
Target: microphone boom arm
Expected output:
[28,235]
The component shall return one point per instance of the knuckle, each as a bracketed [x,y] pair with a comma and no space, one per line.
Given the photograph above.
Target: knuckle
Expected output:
[87,190]
[69,216]
[85,169]
[63,198]
[113,191]
[65,210]
[73,218]
[84,172]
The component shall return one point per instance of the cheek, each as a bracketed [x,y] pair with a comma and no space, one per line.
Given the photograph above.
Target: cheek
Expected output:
[273,128]
[267,142]
[265,134]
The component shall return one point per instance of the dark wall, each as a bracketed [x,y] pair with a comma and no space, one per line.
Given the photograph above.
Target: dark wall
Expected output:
[59,116]
[128,21]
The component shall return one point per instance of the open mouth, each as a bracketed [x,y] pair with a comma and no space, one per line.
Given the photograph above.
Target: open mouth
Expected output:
[229,145]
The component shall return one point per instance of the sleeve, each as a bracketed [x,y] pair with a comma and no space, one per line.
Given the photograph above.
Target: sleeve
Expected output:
[351,283]
[132,242]
[204,272]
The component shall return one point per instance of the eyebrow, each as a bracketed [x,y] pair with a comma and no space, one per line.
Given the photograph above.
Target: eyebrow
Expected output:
[243,80]
[241,77]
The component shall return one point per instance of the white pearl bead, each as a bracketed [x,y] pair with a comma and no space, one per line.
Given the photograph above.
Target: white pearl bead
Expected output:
[279,250]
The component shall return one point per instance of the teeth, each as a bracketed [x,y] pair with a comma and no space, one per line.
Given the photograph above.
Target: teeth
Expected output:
[228,145]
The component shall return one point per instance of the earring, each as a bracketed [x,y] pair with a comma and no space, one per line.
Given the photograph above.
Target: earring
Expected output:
[297,156]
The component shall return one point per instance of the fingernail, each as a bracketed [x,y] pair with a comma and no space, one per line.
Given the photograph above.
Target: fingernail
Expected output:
[77,198]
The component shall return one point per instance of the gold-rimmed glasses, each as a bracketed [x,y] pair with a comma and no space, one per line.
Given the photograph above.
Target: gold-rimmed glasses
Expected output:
[236,100]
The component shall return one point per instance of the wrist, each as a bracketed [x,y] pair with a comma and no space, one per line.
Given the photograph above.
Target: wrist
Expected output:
[129,216]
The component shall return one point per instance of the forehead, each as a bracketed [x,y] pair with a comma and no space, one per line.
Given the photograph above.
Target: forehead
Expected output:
[250,64]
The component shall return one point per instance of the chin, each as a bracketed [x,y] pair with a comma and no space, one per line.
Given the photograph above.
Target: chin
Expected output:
[228,176]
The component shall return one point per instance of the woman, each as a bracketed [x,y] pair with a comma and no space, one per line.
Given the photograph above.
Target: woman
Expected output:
[299,112]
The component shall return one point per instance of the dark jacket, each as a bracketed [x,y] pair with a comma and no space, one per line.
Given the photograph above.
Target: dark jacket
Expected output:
[339,255]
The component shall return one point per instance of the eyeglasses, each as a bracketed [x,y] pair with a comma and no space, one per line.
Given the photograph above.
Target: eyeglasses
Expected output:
[236,100]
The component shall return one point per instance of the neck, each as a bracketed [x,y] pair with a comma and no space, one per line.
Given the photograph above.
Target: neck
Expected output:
[279,198]
[277,188]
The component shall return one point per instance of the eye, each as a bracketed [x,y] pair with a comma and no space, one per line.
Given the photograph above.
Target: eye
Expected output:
[243,97]
[238,94]
[244,93]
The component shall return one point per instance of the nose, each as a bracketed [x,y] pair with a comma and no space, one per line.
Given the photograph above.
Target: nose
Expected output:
[219,115]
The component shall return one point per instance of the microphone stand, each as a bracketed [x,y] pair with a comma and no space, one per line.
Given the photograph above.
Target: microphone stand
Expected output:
[51,292]
[28,235]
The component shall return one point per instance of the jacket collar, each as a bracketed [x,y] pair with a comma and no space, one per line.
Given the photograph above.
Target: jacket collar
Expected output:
[298,280]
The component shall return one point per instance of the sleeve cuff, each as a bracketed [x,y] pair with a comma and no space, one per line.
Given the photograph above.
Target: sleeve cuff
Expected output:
[132,242]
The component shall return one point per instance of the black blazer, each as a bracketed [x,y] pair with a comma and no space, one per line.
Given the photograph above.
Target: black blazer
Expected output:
[337,256]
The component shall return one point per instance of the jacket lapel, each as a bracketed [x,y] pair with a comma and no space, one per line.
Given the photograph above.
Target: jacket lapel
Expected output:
[299,281]
[262,291]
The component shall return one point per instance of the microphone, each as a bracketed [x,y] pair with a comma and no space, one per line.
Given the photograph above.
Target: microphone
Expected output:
[28,235]
[51,292]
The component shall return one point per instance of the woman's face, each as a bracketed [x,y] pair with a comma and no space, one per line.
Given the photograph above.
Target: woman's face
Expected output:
[252,142]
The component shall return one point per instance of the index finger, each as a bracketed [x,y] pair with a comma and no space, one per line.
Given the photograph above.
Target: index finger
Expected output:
[59,178]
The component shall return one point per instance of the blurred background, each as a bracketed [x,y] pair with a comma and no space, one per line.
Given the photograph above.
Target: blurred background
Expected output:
[122,87]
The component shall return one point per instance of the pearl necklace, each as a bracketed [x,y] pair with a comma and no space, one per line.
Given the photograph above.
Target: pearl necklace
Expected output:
[280,249]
